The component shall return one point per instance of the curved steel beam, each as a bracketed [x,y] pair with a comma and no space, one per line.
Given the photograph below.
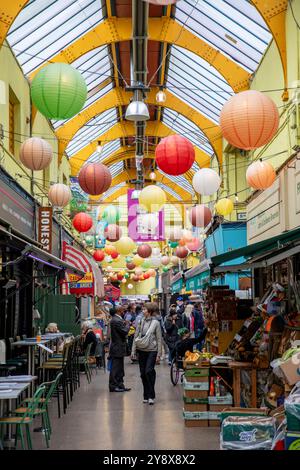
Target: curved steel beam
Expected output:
[162,29]
[9,10]
[119,97]
[125,129]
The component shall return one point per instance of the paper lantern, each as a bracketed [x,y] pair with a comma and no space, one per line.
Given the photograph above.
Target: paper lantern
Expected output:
[138,271]
[146,264]
[194,244]
[36,154]
[144,250]
[114,255]
[260,175]
[125,245]
[152,198]
[152,272]
[59,195]
[137,260]
[200,215]
[94,178]
[108,259]
[206,181]
[165,260]
[187,235]
[82,222]
[124,281]
[249,120]
[130,266]
[175,155]
[174,260]
[135,278]
[149,222]
[182,242]
[128,259]
[173,244]
[181,252]
[146,275]
[165,269]
[109,268]
[120,276]
[113,232]
[109,249]
[224,206]
[58,91]
[111,214]
[175,234]
[89,239]
[130,286]
[155,252]
[155,262]
[126,275]
[99,255]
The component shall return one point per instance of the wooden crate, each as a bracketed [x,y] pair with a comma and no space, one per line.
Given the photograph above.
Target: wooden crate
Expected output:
[196,393]
[196,423]
[194,407]
[196,379]
[214,423]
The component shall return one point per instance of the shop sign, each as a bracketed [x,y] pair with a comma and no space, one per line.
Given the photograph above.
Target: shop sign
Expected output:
[264,215]
[198,282]
[136,228]
[82,286]
[177,286]
[45,228]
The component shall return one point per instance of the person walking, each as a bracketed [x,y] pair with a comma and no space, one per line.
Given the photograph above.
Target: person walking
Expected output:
[172,324]
[148,345]
[197,322]
[118,350]
[187,318]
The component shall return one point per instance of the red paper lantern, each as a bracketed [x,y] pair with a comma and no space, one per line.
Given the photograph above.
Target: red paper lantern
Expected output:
[112,233]
[146,275]
[94,178]
[181,242]
[175,155]
[181,252]
[200,215]
[114,278]
[82,222]
[135,278]
[114,254]
[249,120]
[99,255]
[130,266]
[120,276]
[144,251]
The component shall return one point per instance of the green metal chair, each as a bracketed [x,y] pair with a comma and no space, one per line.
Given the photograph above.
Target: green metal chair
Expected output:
[24,420]
[85,361]
[50,388]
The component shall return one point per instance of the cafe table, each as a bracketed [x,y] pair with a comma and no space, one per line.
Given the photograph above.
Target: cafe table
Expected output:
[10,390]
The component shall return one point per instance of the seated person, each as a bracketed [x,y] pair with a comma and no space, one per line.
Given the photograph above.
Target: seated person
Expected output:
[53,328]
[186,343]
[88,336]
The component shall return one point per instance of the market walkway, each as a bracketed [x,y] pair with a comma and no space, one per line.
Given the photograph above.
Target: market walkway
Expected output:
[98,419]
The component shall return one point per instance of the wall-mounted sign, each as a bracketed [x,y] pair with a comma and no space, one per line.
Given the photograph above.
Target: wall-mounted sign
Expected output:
[242,215]
[137,230]
[45,228]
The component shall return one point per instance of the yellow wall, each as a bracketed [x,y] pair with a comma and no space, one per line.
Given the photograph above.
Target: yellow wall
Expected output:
[139,288]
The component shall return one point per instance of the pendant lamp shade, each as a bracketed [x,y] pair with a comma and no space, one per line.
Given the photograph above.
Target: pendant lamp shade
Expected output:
[36,154]
[249,120]
[82,222]
[260,175]
[58,91]
[137,111]
[94,178]
[59,195]
[175,155]
[206,181]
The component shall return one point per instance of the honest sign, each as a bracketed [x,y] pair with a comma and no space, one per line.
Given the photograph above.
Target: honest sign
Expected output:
[45,228]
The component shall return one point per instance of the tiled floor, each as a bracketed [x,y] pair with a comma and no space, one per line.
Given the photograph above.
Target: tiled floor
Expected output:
[97,419]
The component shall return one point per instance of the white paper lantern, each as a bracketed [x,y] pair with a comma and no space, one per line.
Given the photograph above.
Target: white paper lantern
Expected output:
[165,260]
[124,281]
[156,262]
[108,259]
[206,181]
[155,252]
[130,286]
[187,235]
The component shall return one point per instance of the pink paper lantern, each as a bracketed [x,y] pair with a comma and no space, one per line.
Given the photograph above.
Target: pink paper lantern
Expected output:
[113,232]
[194,245]
[59,195]
[165,260]
[36,153]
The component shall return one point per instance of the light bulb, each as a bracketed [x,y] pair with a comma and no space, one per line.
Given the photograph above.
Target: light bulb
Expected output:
[152,175]
[99,147]
[236,198]
[161,97]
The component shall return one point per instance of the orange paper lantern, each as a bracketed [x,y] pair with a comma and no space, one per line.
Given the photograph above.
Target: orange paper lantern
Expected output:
[260,175]
[182,242]
[249,120]
[94,178]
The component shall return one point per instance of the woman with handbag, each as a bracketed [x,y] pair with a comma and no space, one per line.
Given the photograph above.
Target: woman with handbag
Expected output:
[148,345]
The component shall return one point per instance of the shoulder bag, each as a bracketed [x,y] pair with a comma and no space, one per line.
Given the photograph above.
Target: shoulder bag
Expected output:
[143,342]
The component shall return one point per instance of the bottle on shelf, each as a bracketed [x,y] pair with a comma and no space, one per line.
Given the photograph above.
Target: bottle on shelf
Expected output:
[212,387]
[217,386]
[39,334]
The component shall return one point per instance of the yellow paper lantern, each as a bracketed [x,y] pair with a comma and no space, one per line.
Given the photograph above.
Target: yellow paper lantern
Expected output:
[152,198]
[125,245]
[138,260]
[224,206]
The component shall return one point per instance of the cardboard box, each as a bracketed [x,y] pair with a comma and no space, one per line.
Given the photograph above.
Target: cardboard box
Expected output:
[214,423]
[203,386]
[194,407]
[292,441]
[195,415]
[291,369]
[198,394]
[193,423]
[224,400]
[196,379]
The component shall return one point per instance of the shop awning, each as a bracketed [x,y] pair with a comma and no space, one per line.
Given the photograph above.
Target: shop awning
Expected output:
[264,253]
[43,257]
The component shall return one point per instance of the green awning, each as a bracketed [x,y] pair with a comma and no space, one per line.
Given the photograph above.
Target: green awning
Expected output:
[177,286]
[198,282]
[258,248]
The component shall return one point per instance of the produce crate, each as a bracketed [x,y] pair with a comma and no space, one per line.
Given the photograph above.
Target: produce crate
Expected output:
[198,415]
[200,363]
[196,379]
[195,401]
[194,407]
[222,400]
[194,423]
[203,386]
[203,372]
[197,394]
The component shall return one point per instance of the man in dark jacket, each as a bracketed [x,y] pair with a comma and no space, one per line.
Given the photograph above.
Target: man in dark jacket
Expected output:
[172,324]
[118,350]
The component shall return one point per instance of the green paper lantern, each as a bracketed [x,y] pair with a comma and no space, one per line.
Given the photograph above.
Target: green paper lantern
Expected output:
[165,269]
[146,264]
[89,240]
[58,91]
[173,244]
[111,214]
[126,275]
[128,259]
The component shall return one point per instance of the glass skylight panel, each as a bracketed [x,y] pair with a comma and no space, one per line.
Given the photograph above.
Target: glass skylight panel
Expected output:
[233,27]
[116,169]
[170,191]
[197,83]
[108,149]
[43,29]
[183,126]
[92,131]
[113,190]
[180,181]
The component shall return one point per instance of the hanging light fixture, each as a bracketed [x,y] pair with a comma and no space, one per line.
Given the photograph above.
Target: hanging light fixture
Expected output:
[99,147]
[161,97]
[152,175]
[137,111]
